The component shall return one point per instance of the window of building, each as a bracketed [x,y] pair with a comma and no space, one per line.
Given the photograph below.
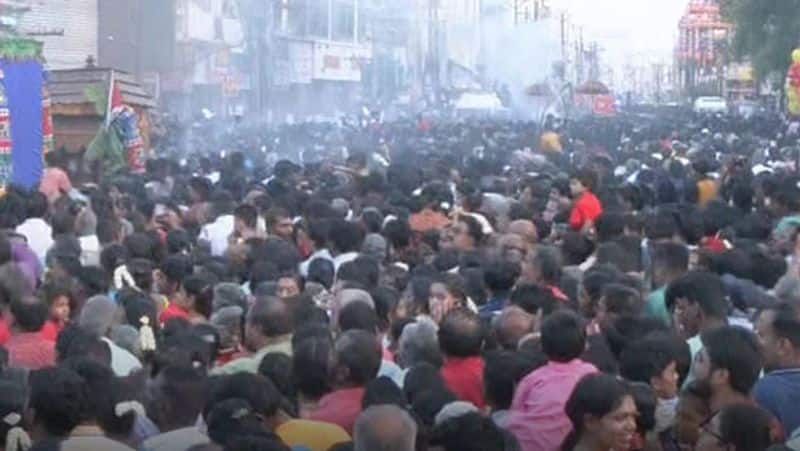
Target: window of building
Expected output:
[343,20]
[317,13]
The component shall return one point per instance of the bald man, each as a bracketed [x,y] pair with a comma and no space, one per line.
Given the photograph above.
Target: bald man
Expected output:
[526,230]
[513,248]
[267,329]
[385,428]
[511,325]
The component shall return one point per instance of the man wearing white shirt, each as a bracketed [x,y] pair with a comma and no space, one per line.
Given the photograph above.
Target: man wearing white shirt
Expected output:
[218,232]
[36,231]
[318,231]
[346,238]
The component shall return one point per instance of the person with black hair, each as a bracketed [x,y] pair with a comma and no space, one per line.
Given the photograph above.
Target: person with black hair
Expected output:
[652,361]
[35,229]
[245,223]
[467,233]
[730,362]
[361,316]
[57,399]
[537,417]
[279,223]
[590,291]
[310,366]
[499,277]
[471,432]
[627,260]
[692,412]
[778,391]
[192,302]
[577,250]
[106,414]
[645,399]
[268,328]
[603,414]
[609,226]
[431,216]
[278,368]
[258,391]
[261,272]
[217,233]
[696,301]
[176,397]
[169,277]
[321,271]
[587,207]
[461,338]
[382,391]
[13,402]
[93,281]
[57,294]
[618,300]
[669,262]
[786,206]
[27,348]
[346,238]
[199,202]
[398,234]
[737,427]
[543,266]
[356,359]
[289,285]
[234,419]
[534,299]
[502,371]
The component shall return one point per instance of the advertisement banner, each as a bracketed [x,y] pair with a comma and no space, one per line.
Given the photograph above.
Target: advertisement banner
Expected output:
[339,62]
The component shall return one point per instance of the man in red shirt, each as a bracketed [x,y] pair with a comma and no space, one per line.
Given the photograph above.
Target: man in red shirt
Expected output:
[587,206]
[461,341]
[26,347]
[356,361]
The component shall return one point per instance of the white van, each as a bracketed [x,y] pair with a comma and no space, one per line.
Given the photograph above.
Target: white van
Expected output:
[710,105]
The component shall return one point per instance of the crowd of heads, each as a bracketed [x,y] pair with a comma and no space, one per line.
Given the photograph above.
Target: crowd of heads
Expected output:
[455,286]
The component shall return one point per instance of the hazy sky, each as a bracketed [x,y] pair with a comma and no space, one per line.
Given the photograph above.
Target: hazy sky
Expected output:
[642,29]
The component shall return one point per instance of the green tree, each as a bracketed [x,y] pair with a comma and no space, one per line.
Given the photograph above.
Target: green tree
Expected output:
[766,32]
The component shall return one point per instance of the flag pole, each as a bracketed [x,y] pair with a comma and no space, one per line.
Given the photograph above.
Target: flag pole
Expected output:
[110,99]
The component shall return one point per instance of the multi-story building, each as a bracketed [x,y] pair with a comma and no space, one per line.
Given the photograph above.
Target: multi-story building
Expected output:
[320,50]
[189,54]
[67,28]
[209,34]
[701,47]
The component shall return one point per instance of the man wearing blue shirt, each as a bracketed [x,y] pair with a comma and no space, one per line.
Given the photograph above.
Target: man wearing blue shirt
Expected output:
[778,330]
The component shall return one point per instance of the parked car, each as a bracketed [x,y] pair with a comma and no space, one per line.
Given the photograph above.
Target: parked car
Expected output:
[480,104]
[747,108]
[710,105]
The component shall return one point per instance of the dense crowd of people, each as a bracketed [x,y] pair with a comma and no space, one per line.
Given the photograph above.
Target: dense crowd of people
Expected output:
[617,284]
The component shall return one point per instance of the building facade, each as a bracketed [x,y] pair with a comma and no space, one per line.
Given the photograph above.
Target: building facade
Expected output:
[702,43]
[320,54]
[67,28]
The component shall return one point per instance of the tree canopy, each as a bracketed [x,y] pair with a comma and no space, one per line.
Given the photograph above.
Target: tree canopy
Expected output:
[766,32]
